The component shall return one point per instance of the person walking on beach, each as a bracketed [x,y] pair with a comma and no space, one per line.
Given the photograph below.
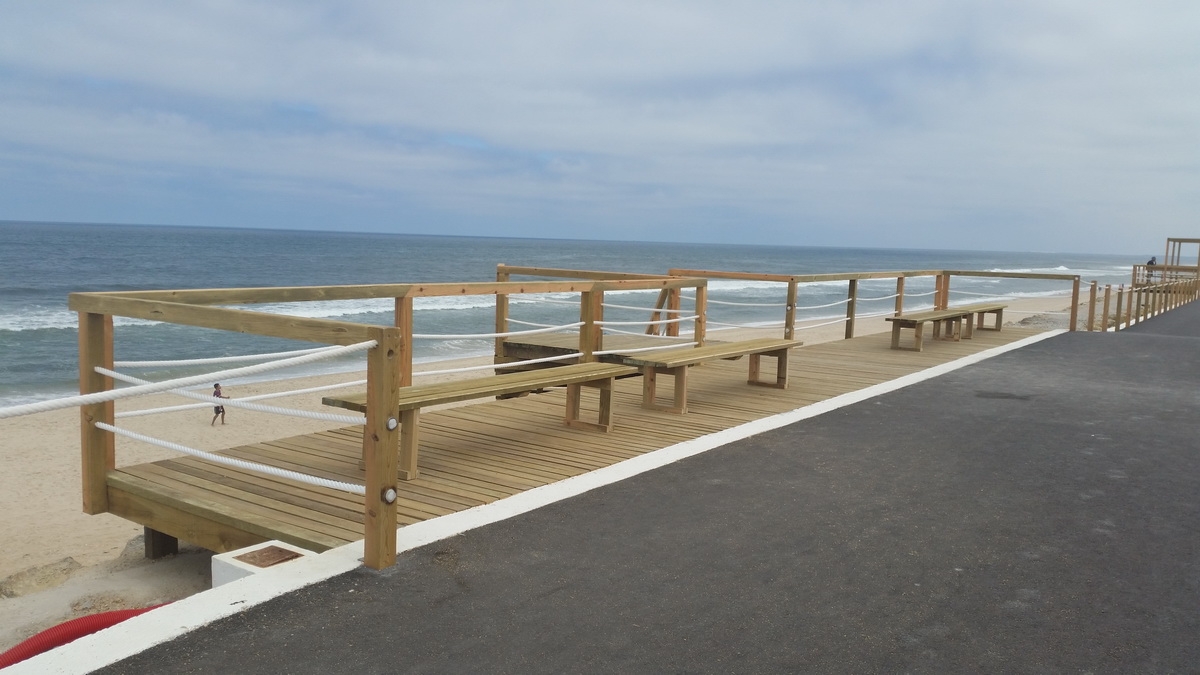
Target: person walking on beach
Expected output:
[218,410]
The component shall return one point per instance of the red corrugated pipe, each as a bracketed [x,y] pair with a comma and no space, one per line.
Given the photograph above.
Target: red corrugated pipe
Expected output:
[67,632]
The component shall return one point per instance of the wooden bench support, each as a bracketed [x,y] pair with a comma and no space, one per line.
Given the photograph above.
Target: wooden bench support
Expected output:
[159,545]
[574,377]
[675,362]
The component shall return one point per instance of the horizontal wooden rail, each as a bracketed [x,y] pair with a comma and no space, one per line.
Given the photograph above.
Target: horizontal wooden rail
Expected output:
[571,274]
[325,331]
[799,278]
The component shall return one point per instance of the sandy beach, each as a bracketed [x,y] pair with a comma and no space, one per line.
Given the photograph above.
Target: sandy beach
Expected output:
[58,563]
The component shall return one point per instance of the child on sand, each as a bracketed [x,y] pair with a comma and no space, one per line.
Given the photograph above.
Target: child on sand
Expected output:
[218,410]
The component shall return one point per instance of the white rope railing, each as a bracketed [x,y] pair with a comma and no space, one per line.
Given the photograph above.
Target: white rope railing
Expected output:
[771,324]
[819,325]
[638,309]
[483,336]
[217,359]
[832,304]
[874,315]
[608,331]
[238,463]
[488,366]
[660,322]
[239,403]
[530,323]
[177,383]
[737,304]
[919,295]
[644,349]
[259,397]
[884,297]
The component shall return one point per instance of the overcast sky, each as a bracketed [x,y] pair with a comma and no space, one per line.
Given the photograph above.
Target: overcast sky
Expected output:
[1012,125]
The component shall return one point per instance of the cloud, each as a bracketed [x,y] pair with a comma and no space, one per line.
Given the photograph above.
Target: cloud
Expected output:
[877,123]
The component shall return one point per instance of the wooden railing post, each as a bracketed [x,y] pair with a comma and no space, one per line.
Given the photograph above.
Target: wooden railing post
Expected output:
[1091,317]
[851,307]
[501,313]
[404,321]
[589,314]
[1119,318]
[789,312]
[701,330]
[899,296]
[673,303]
[98,447]
[381,437]
[1075,304]
[1104,316]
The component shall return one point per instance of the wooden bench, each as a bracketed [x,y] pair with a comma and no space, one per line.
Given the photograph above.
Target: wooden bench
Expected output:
[574,377]
[981,309]
[676,362]
[948,324]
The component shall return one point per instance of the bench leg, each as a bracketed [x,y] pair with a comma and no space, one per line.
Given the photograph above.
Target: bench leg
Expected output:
[968,331]
[781,369]
[158,545]
[999,319]
[409,440]
[649,394]
[918,334]
[895,335]
[574,392]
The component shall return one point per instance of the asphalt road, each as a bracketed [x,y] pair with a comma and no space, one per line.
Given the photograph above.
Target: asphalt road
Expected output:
[1035,513]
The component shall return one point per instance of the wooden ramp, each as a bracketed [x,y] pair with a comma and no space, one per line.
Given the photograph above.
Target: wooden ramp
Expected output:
[477,454]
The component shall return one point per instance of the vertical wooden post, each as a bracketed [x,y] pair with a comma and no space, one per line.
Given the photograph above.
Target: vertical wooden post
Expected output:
[899,296]
[941,296]
[380,439]
[1120,317]
[589,332]
[789,312]
[1104,315]
[673,304]
[404,321]
[501,314]
[1075,304]
[851,307]
[97,447]
[1091,314]
[701,313]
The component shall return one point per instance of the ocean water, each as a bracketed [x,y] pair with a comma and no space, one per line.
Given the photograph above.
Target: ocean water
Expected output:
[40,264]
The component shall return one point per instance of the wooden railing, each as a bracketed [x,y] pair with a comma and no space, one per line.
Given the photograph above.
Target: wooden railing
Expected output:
[1124,307]
[389,363]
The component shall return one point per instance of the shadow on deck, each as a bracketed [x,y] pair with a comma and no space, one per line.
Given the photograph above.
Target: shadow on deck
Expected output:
[477,454]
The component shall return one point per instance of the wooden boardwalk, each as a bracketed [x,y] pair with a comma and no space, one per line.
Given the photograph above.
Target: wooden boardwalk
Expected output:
[476,454]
